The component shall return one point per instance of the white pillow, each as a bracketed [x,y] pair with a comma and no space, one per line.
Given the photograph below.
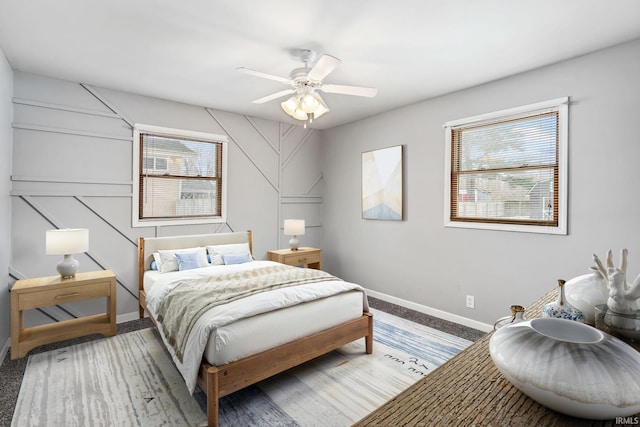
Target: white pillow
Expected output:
[166,258]
[216,252]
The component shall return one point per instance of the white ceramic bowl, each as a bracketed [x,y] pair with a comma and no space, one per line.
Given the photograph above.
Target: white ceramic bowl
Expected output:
[569,367]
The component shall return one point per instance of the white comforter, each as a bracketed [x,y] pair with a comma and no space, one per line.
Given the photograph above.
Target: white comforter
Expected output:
[228,313]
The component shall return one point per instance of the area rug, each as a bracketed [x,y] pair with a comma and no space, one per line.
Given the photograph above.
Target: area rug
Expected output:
[129,380]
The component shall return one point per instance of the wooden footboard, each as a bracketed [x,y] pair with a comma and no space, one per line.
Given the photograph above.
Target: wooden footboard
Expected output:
[217,382]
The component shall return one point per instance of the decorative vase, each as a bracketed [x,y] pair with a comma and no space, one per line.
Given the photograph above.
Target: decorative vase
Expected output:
[517,315]
[569,367]
[561,309]
[585,292]
[624,326]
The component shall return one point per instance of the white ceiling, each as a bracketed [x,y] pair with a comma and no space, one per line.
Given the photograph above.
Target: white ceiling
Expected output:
[410,50]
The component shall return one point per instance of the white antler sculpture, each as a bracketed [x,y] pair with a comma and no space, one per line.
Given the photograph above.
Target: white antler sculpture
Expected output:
[623,298]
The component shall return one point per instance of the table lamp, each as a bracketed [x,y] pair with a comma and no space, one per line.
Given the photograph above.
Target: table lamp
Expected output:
[294,227]
[67,242]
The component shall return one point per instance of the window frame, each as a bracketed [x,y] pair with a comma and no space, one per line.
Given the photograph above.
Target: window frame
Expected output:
[561,106]
[137,159]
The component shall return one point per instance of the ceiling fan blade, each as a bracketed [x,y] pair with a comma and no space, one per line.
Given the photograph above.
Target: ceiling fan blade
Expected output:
[350,90]
[323,67]
[255,73]
[273,96]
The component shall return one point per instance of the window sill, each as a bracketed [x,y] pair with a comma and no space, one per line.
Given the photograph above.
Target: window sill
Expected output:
[177,221]
[560,230]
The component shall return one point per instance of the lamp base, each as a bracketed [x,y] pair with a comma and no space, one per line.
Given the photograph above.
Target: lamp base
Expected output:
[293,243]
[68,267]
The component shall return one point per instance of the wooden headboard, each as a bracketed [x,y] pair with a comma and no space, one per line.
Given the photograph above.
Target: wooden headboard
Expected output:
[148,245]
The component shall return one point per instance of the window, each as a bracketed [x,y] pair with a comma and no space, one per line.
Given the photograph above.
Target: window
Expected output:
[180,177]
[508,170]
[154,163]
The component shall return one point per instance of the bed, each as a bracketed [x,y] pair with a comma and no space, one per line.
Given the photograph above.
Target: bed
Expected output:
[224,356]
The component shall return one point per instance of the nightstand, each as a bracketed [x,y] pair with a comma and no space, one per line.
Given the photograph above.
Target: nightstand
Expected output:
[307,257]
[47,291]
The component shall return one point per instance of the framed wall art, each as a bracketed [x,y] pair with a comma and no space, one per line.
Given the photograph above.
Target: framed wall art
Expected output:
[382,183]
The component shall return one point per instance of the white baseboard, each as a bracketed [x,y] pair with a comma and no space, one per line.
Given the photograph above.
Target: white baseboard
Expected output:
[134,315]
[5,349]
[431,311]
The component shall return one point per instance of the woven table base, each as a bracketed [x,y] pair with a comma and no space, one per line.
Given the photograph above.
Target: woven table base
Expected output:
[469,390]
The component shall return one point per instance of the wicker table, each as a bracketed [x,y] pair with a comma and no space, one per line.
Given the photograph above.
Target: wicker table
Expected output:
[469,390]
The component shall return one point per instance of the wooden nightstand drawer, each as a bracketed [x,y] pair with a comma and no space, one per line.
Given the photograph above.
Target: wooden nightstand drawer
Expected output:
[307,257]
[56,296]
[302,259]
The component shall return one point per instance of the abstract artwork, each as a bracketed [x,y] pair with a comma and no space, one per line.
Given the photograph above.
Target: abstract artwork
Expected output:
[382,184]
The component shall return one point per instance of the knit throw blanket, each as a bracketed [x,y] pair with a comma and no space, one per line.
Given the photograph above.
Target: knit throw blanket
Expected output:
[183,305]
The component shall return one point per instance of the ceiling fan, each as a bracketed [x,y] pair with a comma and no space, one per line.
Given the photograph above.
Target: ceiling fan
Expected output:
[306,103]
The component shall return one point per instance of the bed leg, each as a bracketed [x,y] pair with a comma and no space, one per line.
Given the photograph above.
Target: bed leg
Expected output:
[212,397]
[141,310]
[368,340]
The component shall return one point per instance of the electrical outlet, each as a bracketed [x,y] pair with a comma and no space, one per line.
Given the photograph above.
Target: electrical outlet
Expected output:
[471,301]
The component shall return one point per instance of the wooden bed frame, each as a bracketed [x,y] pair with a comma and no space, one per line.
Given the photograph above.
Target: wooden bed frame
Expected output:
[219,381]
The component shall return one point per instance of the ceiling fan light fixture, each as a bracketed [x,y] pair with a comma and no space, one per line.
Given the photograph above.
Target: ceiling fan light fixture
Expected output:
[299,114]
[290,105]
[295,107]
[309,103]
[322,108]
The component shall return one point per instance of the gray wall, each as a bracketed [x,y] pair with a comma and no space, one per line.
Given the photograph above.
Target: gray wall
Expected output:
[72,167]
[421,261]
[6,114]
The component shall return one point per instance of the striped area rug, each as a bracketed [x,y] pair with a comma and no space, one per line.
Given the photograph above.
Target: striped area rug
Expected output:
[129,380]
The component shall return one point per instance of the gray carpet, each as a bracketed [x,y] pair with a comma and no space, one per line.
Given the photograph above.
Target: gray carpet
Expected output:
[427,320]
[12,371]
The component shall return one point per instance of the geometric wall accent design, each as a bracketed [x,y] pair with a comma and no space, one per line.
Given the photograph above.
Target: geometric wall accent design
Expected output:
[72,167]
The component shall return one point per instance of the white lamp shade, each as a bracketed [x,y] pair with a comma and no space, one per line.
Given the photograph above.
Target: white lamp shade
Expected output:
[294,227]
[309,103]
[320,110]
[67,241]
[289,106]
[299,114]
[305,105]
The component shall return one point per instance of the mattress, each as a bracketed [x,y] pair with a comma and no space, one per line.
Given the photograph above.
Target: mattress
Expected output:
[255,334]
[150,277]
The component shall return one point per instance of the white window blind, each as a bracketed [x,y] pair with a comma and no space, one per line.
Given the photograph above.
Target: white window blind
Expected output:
[180,177]
[507,170]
